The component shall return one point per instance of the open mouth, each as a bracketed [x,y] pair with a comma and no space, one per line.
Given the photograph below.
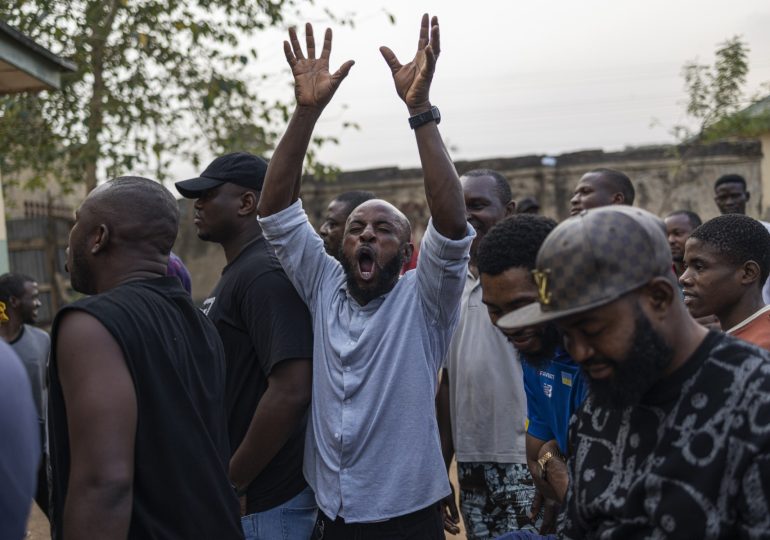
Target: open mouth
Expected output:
[689,298]
[366,265]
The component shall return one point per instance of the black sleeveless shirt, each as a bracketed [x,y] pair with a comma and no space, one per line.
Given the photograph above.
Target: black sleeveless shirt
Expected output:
[181,488]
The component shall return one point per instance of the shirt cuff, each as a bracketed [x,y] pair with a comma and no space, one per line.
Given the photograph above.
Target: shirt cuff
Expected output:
[285,220]
[447,248]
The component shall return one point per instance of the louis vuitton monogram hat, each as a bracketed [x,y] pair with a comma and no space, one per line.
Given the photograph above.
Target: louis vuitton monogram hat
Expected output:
[592,259]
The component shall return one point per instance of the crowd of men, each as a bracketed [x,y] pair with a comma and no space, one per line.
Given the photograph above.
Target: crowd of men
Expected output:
[606,377]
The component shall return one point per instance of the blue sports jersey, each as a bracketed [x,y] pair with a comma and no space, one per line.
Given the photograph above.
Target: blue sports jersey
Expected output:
[554,392]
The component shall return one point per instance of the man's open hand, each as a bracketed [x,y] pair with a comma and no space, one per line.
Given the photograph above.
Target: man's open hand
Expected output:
[413,79]
[314,86]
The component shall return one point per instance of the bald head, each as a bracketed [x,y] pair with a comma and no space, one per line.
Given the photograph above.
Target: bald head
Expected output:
[384,211]
[376,245]
[140,213]
[124,229]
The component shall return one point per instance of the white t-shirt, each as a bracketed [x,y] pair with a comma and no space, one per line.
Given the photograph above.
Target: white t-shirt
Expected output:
[486,387]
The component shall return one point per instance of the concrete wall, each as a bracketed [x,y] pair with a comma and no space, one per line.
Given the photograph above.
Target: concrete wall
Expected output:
[22,201]
[764,141]
[666,178]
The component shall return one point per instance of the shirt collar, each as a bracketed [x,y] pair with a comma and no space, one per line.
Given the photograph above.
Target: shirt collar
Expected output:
[749,319]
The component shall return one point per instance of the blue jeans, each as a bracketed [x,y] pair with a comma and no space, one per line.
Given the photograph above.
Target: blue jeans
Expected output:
[293,520]
[525,535]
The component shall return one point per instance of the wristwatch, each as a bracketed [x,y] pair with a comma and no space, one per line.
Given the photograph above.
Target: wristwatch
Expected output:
[543,461]
[432,115]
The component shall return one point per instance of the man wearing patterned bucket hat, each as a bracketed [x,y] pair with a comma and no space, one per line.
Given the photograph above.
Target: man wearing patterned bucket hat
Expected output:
[673,440]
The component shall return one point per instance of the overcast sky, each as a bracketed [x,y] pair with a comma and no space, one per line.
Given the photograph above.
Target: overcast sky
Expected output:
[520,77]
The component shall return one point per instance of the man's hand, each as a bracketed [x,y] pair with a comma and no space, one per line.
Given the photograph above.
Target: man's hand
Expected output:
[313,89]
[556,471]
[450,512]
[314,86]
[413,79]
[550,511]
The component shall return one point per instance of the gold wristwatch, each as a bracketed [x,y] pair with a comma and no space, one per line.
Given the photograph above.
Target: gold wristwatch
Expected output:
[543,461]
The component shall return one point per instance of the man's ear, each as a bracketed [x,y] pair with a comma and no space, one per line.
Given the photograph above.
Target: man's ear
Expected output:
[101,239]
[408,251]
[618,198]
[748,196]
[510,208]
[249,201]
[659,295]
[750,273]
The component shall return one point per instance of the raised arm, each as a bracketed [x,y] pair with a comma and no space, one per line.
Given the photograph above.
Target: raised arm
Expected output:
[442,186]
[314,87]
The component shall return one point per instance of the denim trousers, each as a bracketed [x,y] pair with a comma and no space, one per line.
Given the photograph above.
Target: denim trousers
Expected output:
[293,520]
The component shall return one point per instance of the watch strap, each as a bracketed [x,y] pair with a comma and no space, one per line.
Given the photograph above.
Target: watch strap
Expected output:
[544,459]
[431,115]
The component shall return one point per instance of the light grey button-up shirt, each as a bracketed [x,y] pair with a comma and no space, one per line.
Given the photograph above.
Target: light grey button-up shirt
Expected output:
[372,450]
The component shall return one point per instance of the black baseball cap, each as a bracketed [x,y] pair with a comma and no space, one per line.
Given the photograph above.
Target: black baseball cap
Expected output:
[240,168]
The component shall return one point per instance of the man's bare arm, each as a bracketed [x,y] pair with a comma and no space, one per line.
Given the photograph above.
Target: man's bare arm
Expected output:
[533,448]
[314,87]
[548,497]
[413,80]
[557,475]
[449,507]
[100,399]
[278,413]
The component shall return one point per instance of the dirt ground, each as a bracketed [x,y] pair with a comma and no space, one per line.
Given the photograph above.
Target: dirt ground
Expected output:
[38,528]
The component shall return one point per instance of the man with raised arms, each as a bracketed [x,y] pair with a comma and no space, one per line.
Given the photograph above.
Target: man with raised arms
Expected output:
[372,452]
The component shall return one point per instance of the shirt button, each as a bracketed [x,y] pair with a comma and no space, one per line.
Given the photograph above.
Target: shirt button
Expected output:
[336,435]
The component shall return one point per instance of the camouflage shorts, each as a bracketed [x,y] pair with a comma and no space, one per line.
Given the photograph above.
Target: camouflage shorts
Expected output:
[495,498]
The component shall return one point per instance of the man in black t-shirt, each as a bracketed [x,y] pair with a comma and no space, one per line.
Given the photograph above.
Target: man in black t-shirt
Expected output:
[674,438]
[136,416]
[267,334]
